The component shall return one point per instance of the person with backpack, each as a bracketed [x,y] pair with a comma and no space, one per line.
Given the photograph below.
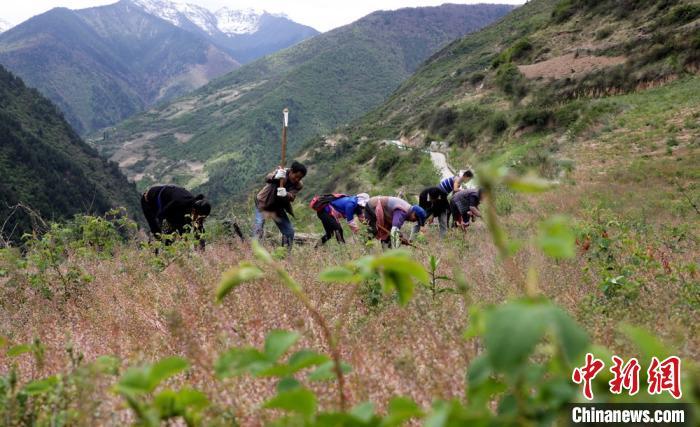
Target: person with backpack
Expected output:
[386,215]
[275,199]
[332,207]
[465,206]
[172,209]
[435,203]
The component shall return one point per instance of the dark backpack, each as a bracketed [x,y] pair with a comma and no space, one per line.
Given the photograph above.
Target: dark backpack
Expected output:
[319,203]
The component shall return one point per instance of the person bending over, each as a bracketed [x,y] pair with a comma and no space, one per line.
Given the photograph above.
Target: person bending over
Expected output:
[434,201]
[172,209]
[465,206]
[330,208]
[386,215]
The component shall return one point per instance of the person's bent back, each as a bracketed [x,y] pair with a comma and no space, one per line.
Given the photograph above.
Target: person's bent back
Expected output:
[172,209]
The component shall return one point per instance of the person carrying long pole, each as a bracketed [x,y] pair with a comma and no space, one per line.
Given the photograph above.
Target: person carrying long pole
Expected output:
[274,200]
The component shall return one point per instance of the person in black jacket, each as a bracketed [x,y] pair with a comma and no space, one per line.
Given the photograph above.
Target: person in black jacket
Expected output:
[170,209]
[434,201]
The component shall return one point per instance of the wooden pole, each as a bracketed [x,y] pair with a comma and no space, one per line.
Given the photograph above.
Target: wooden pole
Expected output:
[285,114]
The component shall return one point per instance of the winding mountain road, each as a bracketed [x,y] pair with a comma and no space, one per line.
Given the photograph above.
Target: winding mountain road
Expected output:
[439,159]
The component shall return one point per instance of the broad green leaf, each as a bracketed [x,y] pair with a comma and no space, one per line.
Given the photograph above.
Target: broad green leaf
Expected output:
[239,360]
[287,383]
[306,358]
[439,415]
[529,184]
[3,341]
[402,283]
[478,371]
[646,342]
[572,339]
[260,253]
[192,399]
[364,412]
[512,331]
[236,276]
[300,360]
[401,409]
[556,238]
[165,404]
[278,342]
[41,386]
[19,350]
[401,263]
[327,371]
[339,275]
[164,369]
[300,400]
[134,381]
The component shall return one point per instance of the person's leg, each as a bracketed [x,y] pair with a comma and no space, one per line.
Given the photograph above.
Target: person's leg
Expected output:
[338,231]
[442,221]
[150,217]
[326,218]
[259,225]
[286,228]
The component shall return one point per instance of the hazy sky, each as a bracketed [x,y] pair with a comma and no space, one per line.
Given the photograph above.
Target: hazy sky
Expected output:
[320,14]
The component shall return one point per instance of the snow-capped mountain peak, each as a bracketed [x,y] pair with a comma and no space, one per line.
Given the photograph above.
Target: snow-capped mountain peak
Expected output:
[228,21]
[179,13]
[4,26]
[244,21]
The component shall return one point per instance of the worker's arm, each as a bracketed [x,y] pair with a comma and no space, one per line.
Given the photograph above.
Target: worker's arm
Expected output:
[458,183]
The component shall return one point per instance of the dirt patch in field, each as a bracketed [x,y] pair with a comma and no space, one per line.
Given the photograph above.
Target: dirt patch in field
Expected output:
[569,65]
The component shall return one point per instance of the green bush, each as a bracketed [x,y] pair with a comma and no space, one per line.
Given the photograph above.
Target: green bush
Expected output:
[385,160]
[511,81]
[498,123]
[442,121]
[682,14]
[535,117]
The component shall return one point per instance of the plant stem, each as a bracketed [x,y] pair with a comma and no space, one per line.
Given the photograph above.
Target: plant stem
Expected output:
[332,343]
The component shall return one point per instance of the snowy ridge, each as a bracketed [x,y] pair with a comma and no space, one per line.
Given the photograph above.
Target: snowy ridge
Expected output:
[228,21]
[4,26]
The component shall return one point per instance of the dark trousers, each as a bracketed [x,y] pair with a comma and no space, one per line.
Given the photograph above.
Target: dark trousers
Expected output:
[331,226]
[151,216]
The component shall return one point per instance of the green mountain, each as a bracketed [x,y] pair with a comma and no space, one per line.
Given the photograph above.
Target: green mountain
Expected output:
[223,136]
[518,91]
[47,167]
[103,64]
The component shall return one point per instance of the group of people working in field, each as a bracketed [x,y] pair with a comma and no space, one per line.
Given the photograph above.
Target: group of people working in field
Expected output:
[171,209]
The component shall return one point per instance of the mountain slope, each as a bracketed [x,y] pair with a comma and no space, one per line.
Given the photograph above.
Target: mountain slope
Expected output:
[246,34]
[103,64]
[227,132]
[46,166]
[519,89]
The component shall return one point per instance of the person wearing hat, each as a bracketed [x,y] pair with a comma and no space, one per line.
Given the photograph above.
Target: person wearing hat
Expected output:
[386,215]
[333,207]
[172,209]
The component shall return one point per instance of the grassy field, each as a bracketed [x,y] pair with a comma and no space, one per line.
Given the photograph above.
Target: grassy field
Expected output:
[629,202]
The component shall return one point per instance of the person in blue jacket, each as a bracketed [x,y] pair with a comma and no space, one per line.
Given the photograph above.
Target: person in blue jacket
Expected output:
[331,208]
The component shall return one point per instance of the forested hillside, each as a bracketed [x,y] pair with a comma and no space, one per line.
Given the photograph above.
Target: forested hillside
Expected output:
[47,168]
